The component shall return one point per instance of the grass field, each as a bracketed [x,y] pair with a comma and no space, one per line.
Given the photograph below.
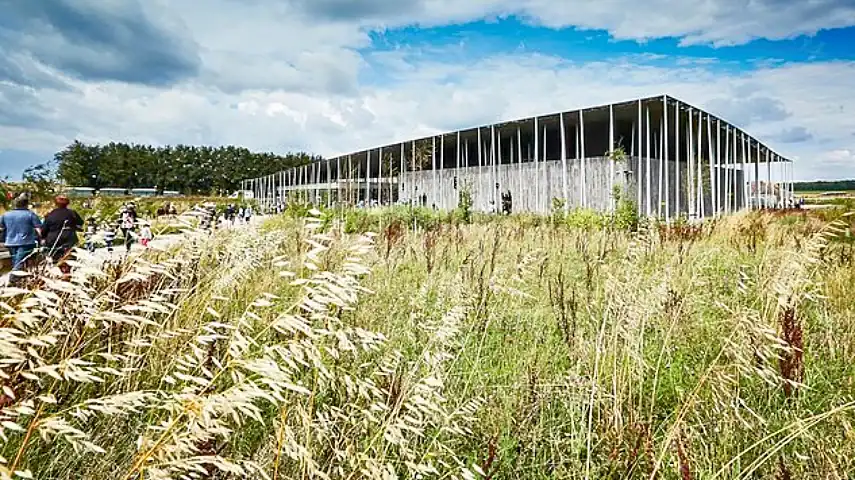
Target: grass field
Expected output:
[518,347]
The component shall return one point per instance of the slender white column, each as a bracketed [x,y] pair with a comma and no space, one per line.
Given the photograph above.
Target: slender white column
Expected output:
[577,160]
[726,169]
[349,186]
[328,187]
[337,181]
[380,177]
[519,162]
[495,148]
[536,205]
[367,179]
[769,191]
[690,160]
[545,191]
[658,154]
[734,160]
[401,172]
[441,203]
[511,155]
[677,151]
[792,183]
[666,158]
[700,170]
[738,200]
[458,154]
[311,182]
[632,141]
[714,200]
[584,161]
[757,173]
[610,151]
[481,195]
[457,174]
[648,187]
[413,159]
[744,185]
[746,168]
[433,194]
[638,181]
[718,190]
[563,138]
[466,158]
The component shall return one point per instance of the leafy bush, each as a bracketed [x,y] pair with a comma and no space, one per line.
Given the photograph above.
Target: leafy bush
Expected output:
[626,211]
[586,219]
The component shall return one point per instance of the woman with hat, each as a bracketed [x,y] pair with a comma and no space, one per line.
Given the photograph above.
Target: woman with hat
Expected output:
[59,231]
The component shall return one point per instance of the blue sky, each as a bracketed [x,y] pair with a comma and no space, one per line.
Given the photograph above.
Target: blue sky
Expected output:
[512,34]
[331,76]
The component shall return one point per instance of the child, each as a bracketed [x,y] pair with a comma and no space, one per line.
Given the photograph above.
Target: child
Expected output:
[109,237]
[89,235]
[145,234]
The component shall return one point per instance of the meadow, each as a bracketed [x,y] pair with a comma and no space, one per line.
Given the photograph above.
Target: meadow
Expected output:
[409,344]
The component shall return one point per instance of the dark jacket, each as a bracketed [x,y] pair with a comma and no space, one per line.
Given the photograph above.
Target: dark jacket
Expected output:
[60,228]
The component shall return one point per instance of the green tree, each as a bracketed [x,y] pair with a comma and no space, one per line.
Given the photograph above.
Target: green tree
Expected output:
[41,180]
[185,168]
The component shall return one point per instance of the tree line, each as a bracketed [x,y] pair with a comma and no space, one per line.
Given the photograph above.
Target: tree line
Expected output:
[184,168]
[825,186]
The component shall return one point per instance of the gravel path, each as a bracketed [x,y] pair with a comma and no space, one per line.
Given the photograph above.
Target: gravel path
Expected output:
[101,255]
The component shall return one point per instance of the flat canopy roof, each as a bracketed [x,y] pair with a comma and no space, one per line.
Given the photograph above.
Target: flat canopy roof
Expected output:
[626,110]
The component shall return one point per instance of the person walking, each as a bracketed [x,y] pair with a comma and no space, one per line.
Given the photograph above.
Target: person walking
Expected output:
[127,223]
[21,229]
[230,214]
[145,234]
[59,233]
[109,237]
[89,235]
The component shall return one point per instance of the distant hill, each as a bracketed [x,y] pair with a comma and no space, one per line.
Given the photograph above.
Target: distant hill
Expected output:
[824,186]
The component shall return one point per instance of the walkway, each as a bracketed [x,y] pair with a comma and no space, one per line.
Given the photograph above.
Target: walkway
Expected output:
[101,255]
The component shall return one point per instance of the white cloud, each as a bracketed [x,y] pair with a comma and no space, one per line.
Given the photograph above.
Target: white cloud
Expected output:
[719,22]
[272,78]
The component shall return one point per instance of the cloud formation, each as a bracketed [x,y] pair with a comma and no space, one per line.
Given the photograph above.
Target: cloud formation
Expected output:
[794,135]
[294,74]
[717,22]
[95,40]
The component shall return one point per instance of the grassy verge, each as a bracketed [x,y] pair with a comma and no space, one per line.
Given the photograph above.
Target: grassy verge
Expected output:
[514,347]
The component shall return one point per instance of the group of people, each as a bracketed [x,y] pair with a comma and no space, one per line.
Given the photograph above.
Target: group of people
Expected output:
[126,223]
[234,213]
[23,232]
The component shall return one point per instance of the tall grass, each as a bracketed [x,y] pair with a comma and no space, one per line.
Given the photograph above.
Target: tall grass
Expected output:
[514,347]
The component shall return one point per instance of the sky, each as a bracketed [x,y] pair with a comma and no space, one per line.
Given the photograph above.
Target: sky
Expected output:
[334,76]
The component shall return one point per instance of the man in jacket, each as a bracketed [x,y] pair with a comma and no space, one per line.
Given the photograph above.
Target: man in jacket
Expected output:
[20,232]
